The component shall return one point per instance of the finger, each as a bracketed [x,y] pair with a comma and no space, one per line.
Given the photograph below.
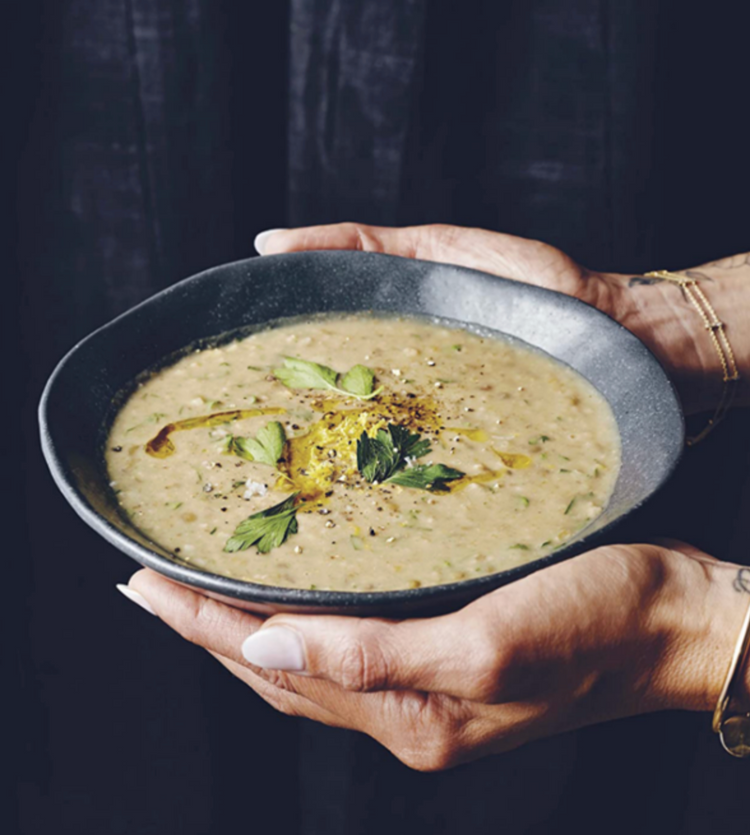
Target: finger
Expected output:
[285,701]
[200,620]
[455,654]
[409,242]
[506,255]
[426,732]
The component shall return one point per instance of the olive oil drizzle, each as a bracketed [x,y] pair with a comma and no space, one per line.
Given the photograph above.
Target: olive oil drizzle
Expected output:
[304,451]
[513,460]
[313,466]
[161,445]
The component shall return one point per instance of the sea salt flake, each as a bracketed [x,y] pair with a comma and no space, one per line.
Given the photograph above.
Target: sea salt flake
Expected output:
[254,488]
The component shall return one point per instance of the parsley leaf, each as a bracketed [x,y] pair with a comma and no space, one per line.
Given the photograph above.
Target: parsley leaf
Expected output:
[267,529]
[384,458]
[426,477]
[410,444]
[358,382]
[267,447]
[301,374]
[378,458]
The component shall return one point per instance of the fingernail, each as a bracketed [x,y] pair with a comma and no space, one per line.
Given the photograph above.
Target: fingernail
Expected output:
[261,240]
[275,648]
[133,595]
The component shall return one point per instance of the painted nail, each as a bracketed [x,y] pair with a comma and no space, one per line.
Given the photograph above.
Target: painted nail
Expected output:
[275,648]
[133,595]
[261,239]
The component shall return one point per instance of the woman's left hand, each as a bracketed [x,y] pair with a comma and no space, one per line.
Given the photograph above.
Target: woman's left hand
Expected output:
[614,632]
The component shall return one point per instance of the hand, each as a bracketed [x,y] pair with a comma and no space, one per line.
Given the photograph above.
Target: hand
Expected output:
[654,310]
[614,632]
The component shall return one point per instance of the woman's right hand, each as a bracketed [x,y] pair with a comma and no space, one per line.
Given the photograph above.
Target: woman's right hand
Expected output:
[618,631]
[653,309]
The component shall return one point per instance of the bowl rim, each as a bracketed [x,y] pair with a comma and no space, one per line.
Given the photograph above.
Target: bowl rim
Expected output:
[321,599]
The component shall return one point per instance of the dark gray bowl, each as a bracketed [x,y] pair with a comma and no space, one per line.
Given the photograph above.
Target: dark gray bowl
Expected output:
[77,400]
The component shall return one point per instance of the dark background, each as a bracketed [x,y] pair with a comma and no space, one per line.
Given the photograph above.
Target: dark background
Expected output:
[145,140]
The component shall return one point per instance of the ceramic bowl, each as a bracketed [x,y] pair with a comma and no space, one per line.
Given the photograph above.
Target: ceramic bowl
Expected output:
[77,401]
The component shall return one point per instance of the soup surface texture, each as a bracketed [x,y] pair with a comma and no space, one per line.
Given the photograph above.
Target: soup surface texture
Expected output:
[386,453]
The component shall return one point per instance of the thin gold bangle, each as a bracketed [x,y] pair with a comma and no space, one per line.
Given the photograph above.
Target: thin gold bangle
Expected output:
[734,730]
[717,332]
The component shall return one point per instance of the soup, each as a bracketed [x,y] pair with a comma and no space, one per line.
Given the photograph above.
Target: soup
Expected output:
[362,453]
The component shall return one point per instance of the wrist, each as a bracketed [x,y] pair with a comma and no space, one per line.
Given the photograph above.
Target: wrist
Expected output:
[702,623]
[660,315]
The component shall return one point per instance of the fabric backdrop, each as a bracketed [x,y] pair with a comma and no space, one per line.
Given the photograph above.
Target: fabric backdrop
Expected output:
[153,140]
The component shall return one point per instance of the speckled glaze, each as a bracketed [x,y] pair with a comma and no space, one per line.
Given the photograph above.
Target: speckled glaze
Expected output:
[77,401]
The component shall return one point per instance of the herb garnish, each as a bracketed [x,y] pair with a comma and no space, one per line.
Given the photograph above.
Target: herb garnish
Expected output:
[267,529]
[266,448]
[426,477]
[358,381]
[378,458]
[385,457]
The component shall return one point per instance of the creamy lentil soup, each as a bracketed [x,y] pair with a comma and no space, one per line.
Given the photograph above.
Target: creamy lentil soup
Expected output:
[362,453]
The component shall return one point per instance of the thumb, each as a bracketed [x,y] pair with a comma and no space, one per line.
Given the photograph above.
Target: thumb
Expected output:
[493,252]
[451,654]
[359,236]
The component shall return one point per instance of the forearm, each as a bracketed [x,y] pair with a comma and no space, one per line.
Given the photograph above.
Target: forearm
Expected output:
[659,312]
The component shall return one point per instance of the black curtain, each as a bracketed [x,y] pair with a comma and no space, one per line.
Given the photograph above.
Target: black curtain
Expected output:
[149,139]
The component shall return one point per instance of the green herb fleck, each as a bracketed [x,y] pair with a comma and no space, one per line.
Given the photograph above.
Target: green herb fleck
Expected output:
[519,546]
[524,501]
[540,439]
[267,529]
[173,505]
[153,418]
[357,543]
[570,506]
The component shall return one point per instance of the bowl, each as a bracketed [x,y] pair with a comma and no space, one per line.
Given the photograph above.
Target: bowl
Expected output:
[78,399]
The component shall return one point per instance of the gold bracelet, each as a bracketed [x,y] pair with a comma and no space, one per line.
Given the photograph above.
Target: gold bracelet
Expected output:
[734,731]
[717,331]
